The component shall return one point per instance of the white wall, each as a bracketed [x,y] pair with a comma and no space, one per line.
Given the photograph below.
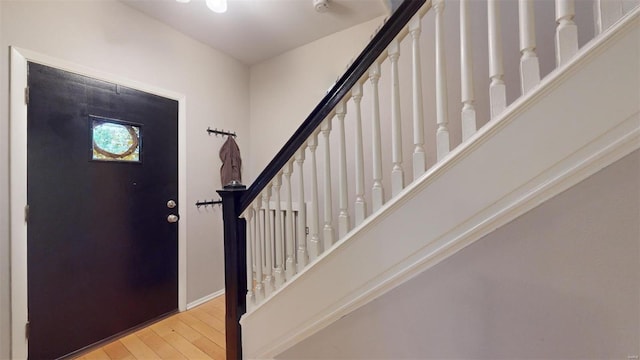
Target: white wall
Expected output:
[560,282]
[287,87]
[113,38]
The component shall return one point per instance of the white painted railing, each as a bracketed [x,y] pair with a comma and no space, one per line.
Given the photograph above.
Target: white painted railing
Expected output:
[296,219]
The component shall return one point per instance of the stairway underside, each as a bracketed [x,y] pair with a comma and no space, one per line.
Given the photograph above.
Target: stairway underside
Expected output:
[581,118]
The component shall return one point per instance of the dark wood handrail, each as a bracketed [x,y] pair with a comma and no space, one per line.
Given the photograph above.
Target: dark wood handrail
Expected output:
[235,198]
[360,66]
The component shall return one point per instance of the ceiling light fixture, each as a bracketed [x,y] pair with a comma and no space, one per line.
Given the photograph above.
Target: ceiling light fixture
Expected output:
[321,6]
[218,6]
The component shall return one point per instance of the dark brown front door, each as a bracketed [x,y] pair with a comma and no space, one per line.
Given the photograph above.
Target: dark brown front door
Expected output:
[102,166]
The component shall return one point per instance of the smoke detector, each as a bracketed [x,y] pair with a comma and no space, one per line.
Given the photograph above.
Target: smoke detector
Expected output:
[321,6]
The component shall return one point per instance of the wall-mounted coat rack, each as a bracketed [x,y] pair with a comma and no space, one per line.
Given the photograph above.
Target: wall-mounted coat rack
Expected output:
[220,132]
[208,203]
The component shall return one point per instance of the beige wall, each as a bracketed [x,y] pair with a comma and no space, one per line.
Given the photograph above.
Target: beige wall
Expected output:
[286,88]
[113,38]
[560,282]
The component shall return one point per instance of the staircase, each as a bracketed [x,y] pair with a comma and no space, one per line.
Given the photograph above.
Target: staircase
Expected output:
[359,200]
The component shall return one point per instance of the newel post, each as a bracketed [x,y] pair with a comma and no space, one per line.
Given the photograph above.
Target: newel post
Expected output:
[235,266]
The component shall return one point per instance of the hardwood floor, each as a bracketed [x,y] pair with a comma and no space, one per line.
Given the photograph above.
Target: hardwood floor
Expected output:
[194,334]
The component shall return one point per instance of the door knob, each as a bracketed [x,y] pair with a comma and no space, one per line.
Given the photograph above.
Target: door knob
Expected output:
[171,204]
[173,218]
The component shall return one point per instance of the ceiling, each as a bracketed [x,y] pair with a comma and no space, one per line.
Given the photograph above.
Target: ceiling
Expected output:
[255,30]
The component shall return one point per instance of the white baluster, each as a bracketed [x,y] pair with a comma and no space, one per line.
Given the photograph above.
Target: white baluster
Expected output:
[289,266]
[397,173]
[566,31]
[254,238]
[259,254]
[442,107]
[302,255]
[419,156]
[360,206]
[468,113]
[343,215]
[607,12]
[325,129]
[497,89]
[377,192]
[268,240]
[314,243]
[250,240]
[529,65]
[278,271]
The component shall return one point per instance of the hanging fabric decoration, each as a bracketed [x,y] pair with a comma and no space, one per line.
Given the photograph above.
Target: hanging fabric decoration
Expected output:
[231,162]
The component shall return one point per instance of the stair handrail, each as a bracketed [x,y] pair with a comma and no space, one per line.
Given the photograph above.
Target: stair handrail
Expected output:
[268,246]
[236,198]
[376,47]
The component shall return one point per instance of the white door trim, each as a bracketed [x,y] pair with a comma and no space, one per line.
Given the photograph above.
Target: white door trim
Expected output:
[18,181]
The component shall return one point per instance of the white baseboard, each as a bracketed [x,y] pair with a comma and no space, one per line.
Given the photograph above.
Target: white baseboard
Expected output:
[204,299]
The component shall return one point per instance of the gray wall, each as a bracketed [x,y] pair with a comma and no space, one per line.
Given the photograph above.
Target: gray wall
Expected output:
[560,282]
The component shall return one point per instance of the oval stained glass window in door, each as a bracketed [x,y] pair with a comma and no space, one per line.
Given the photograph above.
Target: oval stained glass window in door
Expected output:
[115,142]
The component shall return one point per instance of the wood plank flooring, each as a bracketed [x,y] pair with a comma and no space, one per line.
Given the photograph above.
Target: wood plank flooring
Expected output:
[194,334]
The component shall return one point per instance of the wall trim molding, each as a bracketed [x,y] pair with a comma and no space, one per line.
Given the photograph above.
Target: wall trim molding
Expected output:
[204,299]
[549,157]
[18,180]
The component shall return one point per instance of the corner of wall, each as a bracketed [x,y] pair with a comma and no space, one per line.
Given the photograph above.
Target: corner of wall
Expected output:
[284,89]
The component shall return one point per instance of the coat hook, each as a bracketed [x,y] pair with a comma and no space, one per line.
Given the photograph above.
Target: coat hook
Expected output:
[221,132]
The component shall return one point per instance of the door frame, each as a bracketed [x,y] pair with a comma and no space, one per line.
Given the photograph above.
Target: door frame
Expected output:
[18,181]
